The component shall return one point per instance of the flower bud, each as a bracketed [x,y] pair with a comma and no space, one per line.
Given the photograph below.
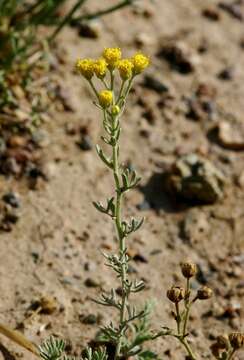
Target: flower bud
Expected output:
[115,110]
[188,269]
[176,294]
[204,293]
[105,98]
[236,340]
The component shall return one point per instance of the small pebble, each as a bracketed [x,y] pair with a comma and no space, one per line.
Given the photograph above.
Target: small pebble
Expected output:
[90,319]
[226,74]
[90,30]
[85,143]
[155,84]
[12,199]
[89,282]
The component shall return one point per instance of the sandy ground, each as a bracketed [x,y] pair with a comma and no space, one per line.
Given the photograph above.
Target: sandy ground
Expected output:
[54,249]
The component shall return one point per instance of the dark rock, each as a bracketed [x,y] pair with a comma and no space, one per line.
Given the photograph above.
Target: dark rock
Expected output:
[85,143]
[9,166]
[140,258]
[233,9]
[89,282]
[179,56]
[150,115]
[11,215]
[89,319]
[12,199]
[226,74]
[153,83]
[90,30]
[211,14]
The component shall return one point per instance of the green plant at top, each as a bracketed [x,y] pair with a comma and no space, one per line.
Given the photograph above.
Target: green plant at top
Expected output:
[19,20]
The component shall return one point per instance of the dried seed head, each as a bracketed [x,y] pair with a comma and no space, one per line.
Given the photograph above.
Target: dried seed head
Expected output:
[222,341]
[176,294]
[188,269]
[204,293]
[215,349]
[236,340]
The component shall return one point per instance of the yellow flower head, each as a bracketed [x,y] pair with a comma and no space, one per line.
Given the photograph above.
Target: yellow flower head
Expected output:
[112,56]
[105,98]
[140,63]
[85,67]
[100,68]
[125,68]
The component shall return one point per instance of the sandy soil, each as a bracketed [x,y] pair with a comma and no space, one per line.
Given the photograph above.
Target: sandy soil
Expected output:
[54,249]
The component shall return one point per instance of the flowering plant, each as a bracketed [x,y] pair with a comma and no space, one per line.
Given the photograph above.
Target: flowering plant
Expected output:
[126,338]
[112,103]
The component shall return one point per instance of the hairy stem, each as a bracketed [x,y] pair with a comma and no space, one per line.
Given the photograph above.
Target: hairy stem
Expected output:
[187,307]
[186,345]
[121,238]
[178,318]
[232,352]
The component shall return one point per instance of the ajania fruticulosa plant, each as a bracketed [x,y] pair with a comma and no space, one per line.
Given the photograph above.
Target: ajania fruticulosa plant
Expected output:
[125,338]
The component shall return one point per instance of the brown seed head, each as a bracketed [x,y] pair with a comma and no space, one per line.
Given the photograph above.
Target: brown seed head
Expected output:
[236,340]
[176,294]
[222,341]
[204,293]
[215,349]
[188,269]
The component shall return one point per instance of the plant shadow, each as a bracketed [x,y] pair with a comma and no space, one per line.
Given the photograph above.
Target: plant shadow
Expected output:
[158,197]
[5,352]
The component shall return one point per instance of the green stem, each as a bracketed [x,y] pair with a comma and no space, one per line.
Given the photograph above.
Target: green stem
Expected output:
[93,88]
[121,238]
[186,345]
[87,17]
[66,19]
[232,352]
[187,307]
[178,318]
[112,80]
[121,91]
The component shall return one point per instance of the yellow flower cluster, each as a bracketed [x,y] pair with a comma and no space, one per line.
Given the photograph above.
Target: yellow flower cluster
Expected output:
[100,68]
[112,56]
[111,60]
[86,68]
[125,68]
[140,63]
[105,98]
